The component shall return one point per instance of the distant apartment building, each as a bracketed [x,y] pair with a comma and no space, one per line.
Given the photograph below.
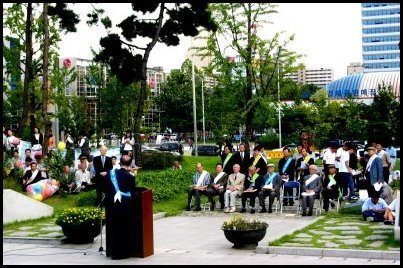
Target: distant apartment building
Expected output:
[319,77]
[354,68]
[155,77]
[380,36]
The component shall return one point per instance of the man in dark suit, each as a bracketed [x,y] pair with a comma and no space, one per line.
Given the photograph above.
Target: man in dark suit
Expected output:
[102,166]
[31,176]
[217,186]
[227,160]
[120,220]
[286,171]
[242,158]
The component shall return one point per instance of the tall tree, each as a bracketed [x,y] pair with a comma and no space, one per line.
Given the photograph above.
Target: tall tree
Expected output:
[172,20]
[253,71]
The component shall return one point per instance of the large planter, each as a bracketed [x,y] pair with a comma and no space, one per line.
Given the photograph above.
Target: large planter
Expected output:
[245,238]
[80,234]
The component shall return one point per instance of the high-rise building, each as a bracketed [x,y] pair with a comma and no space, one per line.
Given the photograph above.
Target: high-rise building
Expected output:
[354,68]
[319,77]
[155,77]
[380,36]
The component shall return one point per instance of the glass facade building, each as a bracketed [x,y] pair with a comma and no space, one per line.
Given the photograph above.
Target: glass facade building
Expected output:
[380,36]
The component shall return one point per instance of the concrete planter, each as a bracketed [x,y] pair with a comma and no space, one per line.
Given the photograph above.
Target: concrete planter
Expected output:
[248,238]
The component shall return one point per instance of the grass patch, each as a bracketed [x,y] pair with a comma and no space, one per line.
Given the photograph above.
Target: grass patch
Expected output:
[318,240]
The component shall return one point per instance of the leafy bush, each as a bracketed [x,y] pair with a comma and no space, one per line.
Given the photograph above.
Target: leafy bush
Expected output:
[268,141]
[159,160]
[86,199]
[165,184]
[242,224]
[395,184]
[55,165]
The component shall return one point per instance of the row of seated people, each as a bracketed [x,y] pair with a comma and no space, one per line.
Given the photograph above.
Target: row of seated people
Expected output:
[229,187]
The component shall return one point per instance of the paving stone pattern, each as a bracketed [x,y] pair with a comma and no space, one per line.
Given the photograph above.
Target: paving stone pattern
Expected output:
[337,233]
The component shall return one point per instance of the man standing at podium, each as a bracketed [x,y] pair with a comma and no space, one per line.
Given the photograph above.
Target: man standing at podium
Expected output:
[120,191]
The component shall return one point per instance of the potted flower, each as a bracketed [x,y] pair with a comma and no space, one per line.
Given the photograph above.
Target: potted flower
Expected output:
[242,231]
[80,225]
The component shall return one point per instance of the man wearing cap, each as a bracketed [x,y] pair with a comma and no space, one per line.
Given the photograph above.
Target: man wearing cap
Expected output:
[270,187]
[373,171]
[331,185]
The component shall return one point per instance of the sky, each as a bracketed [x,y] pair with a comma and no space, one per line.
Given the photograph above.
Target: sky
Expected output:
[329,35]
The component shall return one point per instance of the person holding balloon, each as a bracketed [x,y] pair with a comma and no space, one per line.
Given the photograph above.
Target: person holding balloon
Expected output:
[12,143]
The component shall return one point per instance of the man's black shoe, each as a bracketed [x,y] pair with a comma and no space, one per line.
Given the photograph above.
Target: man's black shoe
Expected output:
[187,208]
[222,207]
[310,213]
[252,211]
[292,204]
[270,210]
[212,206]
[285,204]
[263,210]
[332,205]
[243,210]
[197,209]
[304,213]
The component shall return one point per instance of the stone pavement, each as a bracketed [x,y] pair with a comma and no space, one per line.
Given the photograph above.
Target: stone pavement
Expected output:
[191,238]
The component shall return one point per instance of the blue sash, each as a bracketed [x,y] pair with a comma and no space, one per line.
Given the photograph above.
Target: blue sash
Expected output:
[286,165]
[270,178]
[115,184]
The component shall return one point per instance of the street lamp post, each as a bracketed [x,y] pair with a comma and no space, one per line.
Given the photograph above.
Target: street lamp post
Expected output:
[204,125]
[279,102]
[194,109]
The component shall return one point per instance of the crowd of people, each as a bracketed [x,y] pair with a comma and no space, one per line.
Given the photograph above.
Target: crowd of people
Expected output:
[245,176]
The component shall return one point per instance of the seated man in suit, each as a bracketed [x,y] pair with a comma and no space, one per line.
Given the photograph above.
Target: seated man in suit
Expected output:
[331,186]
[31,176]
[235,187]
[310,188]
[217,186]
[199,187]
[253,184]
[270,187]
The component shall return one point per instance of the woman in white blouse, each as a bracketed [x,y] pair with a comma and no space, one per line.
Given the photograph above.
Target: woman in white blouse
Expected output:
[127,142]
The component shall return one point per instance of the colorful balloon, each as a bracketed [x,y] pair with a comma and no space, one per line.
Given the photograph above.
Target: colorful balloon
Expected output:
[16,141]
[38,153]
[61,146]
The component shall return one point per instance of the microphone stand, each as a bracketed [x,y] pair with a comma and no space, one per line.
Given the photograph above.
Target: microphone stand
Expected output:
[101,249]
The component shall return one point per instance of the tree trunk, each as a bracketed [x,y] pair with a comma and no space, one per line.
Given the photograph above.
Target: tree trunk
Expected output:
[28,69]
[45,84]
[143,87]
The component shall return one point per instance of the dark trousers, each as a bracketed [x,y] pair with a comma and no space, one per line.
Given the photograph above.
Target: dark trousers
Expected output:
[386,174]
[377,215]
[264,194]
[197,194]
[288,191]
[251,195]
[213,192]
[329,194]
[308,200]
[100,187]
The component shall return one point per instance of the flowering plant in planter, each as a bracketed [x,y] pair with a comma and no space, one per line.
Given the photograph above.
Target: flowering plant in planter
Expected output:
[242,232]
[80,225]
[242,224]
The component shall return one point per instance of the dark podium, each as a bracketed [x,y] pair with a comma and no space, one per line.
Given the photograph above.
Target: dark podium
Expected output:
[143,223]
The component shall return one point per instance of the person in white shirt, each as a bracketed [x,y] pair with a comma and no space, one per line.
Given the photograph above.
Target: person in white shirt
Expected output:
[390,213]
[386,161]
[329,158]
[374,208]
[82,179]
[127,142]
[392,153]
[343,160]
[115,164]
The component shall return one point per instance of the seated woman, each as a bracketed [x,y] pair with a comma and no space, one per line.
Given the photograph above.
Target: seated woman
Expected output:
[310,188]
[374,208]
[31,176]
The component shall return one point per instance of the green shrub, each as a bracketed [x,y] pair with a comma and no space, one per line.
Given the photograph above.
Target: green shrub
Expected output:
[268,141]
[395,184]
[242,224]
[86,199]
[158,160]
[165,184]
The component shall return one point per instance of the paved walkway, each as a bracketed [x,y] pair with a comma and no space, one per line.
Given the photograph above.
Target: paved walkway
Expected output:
[191,238]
